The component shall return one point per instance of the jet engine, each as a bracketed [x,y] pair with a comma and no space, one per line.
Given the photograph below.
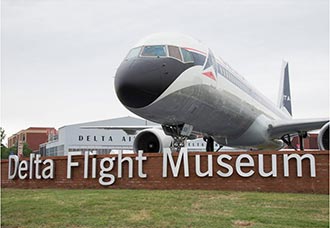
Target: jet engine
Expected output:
[152,141]
[323,137]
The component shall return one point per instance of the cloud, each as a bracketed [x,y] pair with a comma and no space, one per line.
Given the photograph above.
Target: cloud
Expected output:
[59,57]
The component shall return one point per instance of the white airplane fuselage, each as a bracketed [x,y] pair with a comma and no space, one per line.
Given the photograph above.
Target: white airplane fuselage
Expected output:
[174,79]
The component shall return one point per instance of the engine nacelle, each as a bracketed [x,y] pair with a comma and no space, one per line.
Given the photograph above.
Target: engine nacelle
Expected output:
[323,137]
[152,141]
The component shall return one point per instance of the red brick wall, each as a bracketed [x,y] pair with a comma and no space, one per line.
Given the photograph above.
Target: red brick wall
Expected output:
[34,136]
[12,141]
[35,139]
[309,142]
[153,168]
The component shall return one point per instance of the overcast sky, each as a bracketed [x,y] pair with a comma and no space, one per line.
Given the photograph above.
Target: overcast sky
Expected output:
[59,58]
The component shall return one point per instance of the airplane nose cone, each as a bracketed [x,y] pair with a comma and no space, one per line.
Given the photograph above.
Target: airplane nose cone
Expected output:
[138,82]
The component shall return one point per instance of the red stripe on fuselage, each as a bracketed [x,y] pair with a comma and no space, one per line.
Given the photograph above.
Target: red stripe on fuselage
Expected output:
[195,50]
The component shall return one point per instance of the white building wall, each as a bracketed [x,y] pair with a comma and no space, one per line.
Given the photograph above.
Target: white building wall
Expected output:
[76,138]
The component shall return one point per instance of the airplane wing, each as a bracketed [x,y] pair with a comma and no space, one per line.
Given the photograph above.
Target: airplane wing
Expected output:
[285,127]
[130,130]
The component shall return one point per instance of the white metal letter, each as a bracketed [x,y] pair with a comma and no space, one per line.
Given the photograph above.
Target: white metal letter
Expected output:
[50,168]
[106,169]
[299,159]
[262,172]
[71,164]
[175,168]
[12,158]
[224,165]
[31,165]
[37,162]
[240,164]
[23,166]
[93,167]
[120,165]
[140,158]
[209,171]
[86,164]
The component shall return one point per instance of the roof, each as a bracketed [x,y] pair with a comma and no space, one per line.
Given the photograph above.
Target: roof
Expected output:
[121,121]
[39,128]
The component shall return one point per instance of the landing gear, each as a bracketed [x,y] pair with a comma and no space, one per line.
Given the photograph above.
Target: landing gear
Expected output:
[219,148]
[209,143]
[302,136]
[287,140]
[179,133]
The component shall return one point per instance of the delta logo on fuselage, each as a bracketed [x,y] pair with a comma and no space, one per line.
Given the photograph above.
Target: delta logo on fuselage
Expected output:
[211,67]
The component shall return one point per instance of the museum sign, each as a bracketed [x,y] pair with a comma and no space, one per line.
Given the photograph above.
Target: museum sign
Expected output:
[244,166]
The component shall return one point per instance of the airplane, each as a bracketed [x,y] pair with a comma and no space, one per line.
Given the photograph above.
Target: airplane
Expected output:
[177,82]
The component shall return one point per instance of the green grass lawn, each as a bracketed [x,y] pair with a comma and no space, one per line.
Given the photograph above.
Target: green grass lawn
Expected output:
[160,208]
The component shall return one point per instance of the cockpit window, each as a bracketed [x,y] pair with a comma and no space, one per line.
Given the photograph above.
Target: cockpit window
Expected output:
[134,53]
[174,52]
[154,51]
[187,57]
[198,58]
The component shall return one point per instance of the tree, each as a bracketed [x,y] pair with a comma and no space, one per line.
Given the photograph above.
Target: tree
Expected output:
[26,150]
[2,135]
[5,152]
[3,149]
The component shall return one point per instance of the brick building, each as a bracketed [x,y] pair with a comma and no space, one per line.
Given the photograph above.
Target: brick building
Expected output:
[50,142]
[309,143]
[33,137]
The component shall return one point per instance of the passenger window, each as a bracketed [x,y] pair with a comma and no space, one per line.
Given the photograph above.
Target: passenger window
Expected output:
[218,68]
[154,51]
[174,52]
[187,57]
[134,53]
[222,71]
